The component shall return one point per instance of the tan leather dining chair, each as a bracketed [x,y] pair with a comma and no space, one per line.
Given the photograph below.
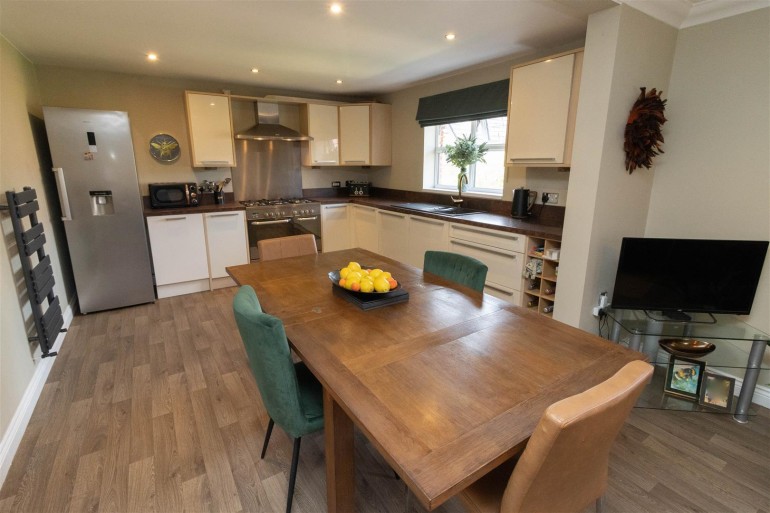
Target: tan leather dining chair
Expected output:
[564,466]
[285,247]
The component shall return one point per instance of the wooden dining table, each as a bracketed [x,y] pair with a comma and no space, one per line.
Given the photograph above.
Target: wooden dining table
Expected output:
[446,386]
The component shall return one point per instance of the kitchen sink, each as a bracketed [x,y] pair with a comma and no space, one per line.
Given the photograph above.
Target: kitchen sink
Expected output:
[445,210]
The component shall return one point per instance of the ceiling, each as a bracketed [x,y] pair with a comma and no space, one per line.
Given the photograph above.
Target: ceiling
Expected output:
[372,46]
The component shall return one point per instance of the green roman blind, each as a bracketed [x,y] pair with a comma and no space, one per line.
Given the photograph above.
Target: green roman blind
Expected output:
[477,102]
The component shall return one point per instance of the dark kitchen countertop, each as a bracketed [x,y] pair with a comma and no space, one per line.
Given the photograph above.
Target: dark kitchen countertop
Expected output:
[484,220]
[206,208]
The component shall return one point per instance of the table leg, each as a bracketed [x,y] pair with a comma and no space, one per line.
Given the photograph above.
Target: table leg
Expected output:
[340,470]
[750,380]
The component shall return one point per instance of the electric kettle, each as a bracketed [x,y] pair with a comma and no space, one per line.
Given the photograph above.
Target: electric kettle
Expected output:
[523,201]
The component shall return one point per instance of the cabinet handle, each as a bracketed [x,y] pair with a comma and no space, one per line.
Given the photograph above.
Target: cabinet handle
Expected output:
[306,218]
[330,207]
[488,249]
[500,288]
[175,218]
[392,214]
[501,235]
[325,161]
[223,215]
[277,221]
[355,162]
[543,159]
[227,162]
[426,221]
[371,209]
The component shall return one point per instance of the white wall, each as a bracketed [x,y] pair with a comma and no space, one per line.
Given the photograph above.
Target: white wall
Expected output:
[624,51]
[714,181]
[406,173]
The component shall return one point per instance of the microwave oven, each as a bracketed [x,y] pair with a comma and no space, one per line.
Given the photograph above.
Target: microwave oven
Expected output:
[173,195]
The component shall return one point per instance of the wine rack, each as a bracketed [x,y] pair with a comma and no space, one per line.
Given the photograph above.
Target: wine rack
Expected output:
[539,293]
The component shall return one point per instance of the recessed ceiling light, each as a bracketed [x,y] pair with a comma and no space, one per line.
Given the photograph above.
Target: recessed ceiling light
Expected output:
[450,36]
[339,81]
[255,70]
[336,8]
[152,56]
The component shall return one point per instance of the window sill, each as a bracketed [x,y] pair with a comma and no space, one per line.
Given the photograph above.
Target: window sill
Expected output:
[470,194]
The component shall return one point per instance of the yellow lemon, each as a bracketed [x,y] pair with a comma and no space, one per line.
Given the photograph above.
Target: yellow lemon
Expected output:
[386,275]
[353,276]
[344,272]
[375,273]
[354,266]
[367,286]
[381,284]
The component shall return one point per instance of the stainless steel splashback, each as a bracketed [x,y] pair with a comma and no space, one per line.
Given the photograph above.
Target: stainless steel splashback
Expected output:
[267,169]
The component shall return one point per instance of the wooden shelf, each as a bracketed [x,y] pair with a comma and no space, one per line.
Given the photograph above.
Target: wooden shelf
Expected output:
[546,279]
[548,297]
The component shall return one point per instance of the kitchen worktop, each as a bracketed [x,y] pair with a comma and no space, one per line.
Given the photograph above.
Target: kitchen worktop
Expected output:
[206,207]
[484,220]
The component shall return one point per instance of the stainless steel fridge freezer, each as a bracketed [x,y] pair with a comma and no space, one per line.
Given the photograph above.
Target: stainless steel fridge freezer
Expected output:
[93,159]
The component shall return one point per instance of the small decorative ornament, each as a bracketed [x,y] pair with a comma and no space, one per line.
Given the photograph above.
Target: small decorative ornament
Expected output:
[164,148]
[643,136]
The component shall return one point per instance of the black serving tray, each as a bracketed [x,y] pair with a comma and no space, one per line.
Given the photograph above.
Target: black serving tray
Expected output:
[371,301]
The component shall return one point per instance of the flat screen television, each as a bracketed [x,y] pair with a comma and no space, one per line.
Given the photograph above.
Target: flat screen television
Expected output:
[688,275]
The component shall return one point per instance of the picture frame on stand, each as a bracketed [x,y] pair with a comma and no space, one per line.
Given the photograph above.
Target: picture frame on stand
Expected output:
[716,392]
[684,378]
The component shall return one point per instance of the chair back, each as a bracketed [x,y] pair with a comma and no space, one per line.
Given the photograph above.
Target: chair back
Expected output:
[460,269]
[270,361]
[285,247]
[564,467]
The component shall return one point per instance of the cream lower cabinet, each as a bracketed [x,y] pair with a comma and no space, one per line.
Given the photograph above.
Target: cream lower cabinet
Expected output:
[335,227]
[179,257]
[502,252]
[425,234]
[227,244]
[364,227]
[209,120]
[393,235]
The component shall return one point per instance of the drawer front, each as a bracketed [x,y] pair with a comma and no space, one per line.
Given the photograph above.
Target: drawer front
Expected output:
[504,268]
[497,239]
[506,294]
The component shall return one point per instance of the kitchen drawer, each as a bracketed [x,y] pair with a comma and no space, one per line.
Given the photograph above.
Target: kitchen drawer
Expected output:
[497,239]
[505,267]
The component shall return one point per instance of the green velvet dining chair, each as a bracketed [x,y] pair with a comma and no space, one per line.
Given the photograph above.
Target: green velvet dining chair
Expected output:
[291,394]
[458,268]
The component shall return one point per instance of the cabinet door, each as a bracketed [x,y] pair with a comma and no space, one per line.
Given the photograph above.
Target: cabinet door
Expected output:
[394,235]
[539,111]
[426,234]
[323,127]
[354,135]
[364,221]
[211,130]
[226,240]
[178,248]
[335,228]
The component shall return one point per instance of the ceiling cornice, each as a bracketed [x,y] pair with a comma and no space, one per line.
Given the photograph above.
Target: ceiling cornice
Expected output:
[688,13]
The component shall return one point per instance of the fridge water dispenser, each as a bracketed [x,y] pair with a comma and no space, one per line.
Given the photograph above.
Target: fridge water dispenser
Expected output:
[101,203]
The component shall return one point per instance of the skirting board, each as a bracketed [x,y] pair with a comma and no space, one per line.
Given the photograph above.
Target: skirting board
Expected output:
[15,431]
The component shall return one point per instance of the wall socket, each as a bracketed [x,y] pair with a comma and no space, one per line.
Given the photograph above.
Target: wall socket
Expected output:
[552,198]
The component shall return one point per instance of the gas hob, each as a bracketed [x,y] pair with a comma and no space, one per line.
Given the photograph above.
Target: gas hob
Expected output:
[281,208]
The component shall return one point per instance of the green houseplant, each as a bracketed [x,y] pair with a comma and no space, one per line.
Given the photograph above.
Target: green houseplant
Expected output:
[463,153]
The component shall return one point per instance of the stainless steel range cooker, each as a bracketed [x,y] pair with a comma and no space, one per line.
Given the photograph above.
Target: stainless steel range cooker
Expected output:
[268,219]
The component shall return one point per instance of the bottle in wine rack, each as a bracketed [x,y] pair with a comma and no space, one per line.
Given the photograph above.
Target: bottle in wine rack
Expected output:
[533,284]
[532,303]
[550,290]
[548,309]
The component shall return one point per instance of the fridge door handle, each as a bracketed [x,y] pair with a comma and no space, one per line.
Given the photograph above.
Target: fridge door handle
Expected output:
[61,186]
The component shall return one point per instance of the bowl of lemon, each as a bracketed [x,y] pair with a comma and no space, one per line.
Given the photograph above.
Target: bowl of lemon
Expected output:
[363,280]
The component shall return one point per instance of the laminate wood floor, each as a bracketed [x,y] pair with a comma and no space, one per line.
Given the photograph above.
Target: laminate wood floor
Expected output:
[153,409]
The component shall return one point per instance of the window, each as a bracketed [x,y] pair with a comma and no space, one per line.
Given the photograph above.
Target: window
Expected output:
[482,177]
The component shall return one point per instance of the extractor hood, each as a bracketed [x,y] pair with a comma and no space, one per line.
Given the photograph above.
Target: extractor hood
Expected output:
[269,127]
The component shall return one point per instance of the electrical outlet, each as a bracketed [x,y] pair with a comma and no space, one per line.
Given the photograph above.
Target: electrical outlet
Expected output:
[552,197]
[336,184]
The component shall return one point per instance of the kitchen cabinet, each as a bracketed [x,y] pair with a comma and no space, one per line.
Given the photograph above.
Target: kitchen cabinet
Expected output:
[227,244]
[365,233]
[179,256]
[335,227]
[209,120]
[541,111]
[425,234]
[393,235]
[365,138]
[502,252]
[321,122]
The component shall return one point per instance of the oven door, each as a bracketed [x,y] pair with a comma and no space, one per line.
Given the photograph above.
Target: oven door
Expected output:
[309,224]
[267,229]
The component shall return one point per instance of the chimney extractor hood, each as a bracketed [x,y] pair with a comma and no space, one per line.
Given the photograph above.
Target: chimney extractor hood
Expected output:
[268,127]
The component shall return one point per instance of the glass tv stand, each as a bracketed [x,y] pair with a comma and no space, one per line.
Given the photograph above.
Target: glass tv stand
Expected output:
[740,348]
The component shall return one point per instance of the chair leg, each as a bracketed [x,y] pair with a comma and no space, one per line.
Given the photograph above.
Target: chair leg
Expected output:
[267,437]
[600,504]
[293,473]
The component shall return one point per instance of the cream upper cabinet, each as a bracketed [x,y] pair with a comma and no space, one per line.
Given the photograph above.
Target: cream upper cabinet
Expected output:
[541,111]
[365,138]
[321,122]
[209,120]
